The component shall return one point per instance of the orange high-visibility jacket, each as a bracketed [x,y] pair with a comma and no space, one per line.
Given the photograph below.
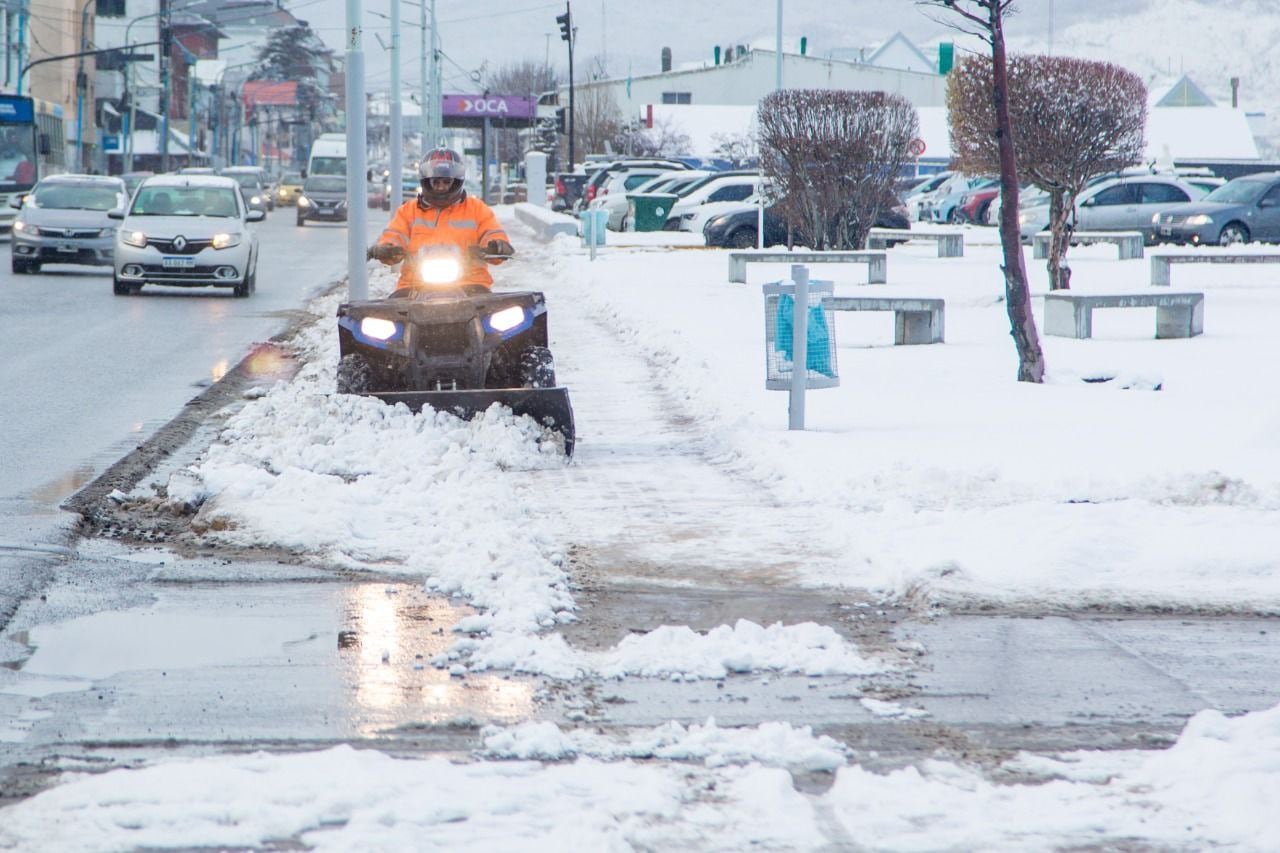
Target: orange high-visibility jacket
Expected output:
[465,223]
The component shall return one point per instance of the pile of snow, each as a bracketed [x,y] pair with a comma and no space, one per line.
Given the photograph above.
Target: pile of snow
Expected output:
[772,744]
[1219,786]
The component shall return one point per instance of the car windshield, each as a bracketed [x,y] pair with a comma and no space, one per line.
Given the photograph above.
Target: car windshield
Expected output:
[325,185]
[329,166]
[61,196]
[1238,191]
[291,178]
[248,180]
[184,201]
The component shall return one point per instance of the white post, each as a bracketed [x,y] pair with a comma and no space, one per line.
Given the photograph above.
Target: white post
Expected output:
[426,141]
[777,84]
[397,128]
[535,178]
[357,161]
[778,57]
[799,345]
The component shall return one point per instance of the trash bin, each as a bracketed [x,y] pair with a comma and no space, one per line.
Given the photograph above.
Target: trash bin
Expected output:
[779,313]
[594,224]
[649,211]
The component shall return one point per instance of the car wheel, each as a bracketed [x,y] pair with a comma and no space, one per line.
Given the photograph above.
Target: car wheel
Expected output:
[953,216]
[672,224]
[1233,234]
[537,368]
[123,288]
[245,287]
[301,222]
[20,267]
[355,376]
[743,238]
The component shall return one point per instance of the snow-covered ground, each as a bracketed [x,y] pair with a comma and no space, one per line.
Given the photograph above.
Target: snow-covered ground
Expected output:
[930,475]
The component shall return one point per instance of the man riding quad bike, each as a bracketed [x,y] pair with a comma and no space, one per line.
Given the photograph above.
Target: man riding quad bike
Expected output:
[442,338]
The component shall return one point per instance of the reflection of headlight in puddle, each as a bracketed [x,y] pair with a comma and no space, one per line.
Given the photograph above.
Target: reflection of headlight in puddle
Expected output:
[377,328]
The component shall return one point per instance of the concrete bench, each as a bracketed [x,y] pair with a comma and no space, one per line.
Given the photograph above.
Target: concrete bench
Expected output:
[877,266]
[915,321]
[1070,315]
[1130,242]
[1160,263]
[950,245]
[545,223]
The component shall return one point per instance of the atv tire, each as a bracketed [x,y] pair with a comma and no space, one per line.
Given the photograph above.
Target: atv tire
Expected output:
[355,376]
[537,368]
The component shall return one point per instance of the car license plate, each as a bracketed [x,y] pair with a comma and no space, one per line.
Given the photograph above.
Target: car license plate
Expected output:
[323,211]
[1166,231]
[67,247]
[179,263]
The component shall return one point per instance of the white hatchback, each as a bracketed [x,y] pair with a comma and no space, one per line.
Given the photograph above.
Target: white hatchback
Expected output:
[186,231]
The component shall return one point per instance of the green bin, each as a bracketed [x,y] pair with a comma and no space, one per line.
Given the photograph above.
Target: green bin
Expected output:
[649,211]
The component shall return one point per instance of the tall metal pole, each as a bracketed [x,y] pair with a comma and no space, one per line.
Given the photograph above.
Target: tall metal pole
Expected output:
[778,49]
[777,84]
[81,83]
[437,97]
[799,345]
[397,134]
[357,162]
[572,38]
[424,130]
[164,85]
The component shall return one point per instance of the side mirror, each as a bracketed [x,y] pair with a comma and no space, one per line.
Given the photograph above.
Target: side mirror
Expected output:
[17,200]
[304,174]
[118,213]
[255,216]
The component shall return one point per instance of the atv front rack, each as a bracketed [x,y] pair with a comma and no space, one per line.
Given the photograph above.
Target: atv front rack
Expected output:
[548,407]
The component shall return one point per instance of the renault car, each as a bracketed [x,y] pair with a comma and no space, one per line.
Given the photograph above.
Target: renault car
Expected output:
[186,231]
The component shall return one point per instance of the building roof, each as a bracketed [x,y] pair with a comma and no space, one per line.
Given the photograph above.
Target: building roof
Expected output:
[898,39]
[1183,93]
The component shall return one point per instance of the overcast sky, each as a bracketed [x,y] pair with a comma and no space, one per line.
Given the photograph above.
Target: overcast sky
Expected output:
[632,34]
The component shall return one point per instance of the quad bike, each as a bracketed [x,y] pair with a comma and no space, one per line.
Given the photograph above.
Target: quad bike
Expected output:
[453,347]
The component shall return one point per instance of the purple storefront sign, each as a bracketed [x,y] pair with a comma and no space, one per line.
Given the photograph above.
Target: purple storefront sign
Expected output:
[492,106]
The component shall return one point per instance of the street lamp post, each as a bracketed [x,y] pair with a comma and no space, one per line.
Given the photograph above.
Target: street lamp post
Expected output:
[81,84]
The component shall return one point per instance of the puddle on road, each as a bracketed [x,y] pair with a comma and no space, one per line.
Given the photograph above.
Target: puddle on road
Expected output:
[69,483]
[363,650]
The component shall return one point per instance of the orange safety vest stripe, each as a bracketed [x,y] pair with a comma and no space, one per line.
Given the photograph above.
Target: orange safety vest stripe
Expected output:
[465,223]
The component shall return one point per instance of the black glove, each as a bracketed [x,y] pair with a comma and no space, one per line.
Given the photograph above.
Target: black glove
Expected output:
[388,253]
[501,248]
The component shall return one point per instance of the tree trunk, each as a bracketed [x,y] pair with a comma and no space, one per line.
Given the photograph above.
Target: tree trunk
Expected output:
[1060,228]
[1017,294]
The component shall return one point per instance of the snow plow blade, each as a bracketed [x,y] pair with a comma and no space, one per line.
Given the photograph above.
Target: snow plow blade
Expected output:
[547,406]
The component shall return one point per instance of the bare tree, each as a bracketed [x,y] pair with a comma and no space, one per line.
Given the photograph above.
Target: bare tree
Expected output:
[832,157]
[985,19]
[525,78]
[738,148]
[1073,119]
[664,139]
[597,119]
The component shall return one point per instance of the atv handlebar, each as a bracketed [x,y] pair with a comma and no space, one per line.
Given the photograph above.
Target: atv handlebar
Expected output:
[392,254]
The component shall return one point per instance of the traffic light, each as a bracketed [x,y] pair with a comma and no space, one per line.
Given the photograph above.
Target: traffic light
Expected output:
[566,24]
[560,121]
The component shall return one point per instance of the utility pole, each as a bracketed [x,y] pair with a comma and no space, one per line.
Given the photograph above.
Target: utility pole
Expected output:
[568,34]
[166,33]
[437,97]
[424,124]
[397,135]
[82,83]
[357,162]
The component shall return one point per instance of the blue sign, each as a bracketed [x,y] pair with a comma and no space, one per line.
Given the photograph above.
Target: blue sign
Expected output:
[16,109]
[110,142]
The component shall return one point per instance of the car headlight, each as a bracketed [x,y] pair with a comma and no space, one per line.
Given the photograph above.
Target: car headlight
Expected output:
[134,238]
[506,319]
[107,232]
[440,270]
[225,241]
[255,200]
[342,203]
[1024,218]
[24,228]
[1155,219]
[1200,219]
[303,201]
[377,328]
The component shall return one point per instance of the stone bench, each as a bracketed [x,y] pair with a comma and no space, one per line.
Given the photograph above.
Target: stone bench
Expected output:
[877,265]
[915,321]
[1070,315]
[950,245]
[1160,263]
[1130,242]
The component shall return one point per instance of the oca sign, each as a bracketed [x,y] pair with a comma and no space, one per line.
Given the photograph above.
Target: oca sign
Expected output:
[477,107]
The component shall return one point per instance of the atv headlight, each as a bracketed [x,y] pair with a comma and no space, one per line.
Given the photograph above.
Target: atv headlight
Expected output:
[303,201]
[377,328]
[506,319]
[440,270]
[134,238]
[225,241]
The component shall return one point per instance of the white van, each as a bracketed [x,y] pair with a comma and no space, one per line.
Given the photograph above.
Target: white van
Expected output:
[328,156]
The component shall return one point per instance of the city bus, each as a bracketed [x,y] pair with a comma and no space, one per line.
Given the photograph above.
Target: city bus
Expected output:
[31,146]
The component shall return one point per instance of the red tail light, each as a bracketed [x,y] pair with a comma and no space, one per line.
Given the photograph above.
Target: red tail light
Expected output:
[591,192]
[560,186]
